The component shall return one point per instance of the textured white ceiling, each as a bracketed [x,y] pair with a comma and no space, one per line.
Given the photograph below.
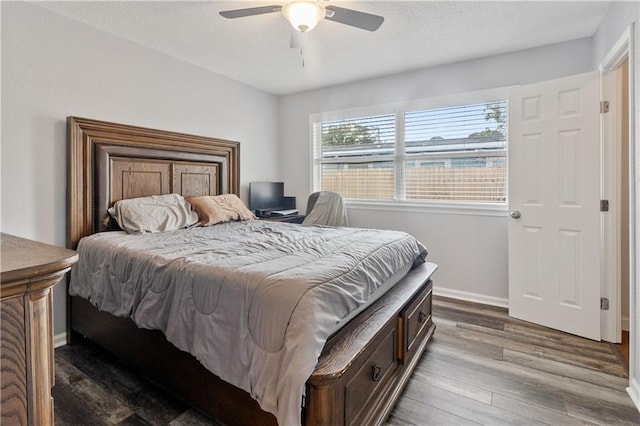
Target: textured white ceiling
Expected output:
[415,34]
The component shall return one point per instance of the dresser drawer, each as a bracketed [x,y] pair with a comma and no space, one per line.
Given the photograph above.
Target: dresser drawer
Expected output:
[364,388]
[415,320]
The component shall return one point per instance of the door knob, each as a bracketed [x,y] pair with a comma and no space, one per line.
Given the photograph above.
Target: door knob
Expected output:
[515,214]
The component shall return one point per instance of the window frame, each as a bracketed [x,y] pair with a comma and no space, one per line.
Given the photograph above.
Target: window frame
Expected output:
[399,158]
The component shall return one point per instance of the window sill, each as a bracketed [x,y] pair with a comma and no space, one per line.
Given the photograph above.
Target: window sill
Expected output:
[437,207]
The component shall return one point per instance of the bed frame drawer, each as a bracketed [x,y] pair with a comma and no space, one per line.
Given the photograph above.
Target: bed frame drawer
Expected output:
[415,320]
[365,366]
[366,386]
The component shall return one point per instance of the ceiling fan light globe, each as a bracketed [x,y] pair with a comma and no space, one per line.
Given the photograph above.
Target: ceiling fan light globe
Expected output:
[303,15]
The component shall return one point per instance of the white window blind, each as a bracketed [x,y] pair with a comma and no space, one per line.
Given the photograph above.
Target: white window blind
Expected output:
[456,153]
[450,154]
[357,156]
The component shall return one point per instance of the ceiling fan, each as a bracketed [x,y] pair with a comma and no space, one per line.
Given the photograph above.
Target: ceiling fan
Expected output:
[304,15]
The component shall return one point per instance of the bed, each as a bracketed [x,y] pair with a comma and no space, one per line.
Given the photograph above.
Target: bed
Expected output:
[361,369]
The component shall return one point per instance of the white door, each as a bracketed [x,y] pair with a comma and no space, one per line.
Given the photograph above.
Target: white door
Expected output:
[554,204]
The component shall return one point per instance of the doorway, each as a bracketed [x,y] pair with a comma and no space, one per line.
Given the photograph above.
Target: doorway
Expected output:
[619,93]
[625,259]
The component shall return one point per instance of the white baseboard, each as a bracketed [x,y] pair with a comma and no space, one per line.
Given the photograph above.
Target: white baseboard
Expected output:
[625,323]
[634,392]
[471,297]
[60,340]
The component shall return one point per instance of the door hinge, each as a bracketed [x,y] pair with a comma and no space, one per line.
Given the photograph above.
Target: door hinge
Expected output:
[604,205]
[604,304]
[604,107]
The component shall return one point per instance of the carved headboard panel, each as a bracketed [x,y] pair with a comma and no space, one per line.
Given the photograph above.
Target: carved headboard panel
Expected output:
[110,162]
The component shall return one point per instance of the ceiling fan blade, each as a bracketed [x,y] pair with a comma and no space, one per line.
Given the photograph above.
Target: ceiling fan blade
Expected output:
[354,18]
[241,13]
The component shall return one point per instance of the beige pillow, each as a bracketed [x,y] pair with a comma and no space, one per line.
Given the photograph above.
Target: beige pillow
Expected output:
[219,208]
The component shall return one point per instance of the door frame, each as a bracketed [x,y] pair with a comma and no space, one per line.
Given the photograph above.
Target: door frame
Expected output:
[610,320]
[610,189]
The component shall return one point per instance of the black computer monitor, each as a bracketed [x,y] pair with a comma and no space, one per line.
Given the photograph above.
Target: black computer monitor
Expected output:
[266,195]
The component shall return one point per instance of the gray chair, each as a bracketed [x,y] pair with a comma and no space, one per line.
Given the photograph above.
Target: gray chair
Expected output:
[326,208]
[312,202]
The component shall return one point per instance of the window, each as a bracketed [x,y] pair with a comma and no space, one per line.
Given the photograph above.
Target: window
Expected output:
[457,153]
[357,156]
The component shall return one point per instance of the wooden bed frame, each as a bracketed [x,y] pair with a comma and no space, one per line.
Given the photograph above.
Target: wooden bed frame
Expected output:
[363,367]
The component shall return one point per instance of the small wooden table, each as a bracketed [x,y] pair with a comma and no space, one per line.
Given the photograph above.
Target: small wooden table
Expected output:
[28,272]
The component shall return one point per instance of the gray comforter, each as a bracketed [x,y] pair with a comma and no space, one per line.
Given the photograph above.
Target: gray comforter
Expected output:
[253,301]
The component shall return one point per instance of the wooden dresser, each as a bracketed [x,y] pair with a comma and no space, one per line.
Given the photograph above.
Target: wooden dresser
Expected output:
[29,270]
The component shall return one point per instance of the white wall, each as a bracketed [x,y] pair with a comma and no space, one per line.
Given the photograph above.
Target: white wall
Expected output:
[618,18]
[470,248]
[53,67]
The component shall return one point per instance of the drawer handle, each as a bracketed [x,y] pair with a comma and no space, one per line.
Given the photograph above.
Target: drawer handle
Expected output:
[376,372]
[422,317]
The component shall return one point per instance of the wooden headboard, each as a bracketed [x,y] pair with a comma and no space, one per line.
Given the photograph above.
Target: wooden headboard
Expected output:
[108,162]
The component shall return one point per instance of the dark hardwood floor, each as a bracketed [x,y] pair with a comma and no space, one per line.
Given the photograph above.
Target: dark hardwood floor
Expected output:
[482,367]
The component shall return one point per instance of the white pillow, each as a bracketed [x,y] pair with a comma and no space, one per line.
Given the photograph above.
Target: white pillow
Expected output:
[157,213]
